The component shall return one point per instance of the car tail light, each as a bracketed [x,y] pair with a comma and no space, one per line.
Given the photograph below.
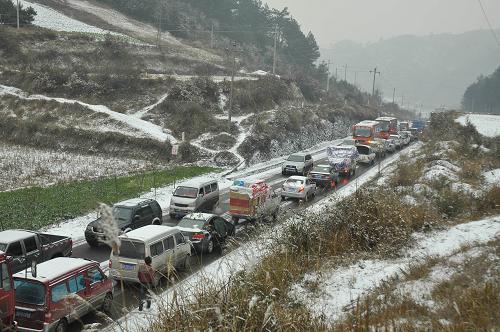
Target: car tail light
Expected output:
[110,263]
[301,189]
[71,243]
[198,236]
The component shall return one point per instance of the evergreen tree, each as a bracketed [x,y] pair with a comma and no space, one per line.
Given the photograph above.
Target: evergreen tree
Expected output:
[9,13]
[484,94]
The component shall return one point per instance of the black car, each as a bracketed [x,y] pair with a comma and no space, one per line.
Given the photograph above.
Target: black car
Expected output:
[129,215]
[324,176]
[206,231]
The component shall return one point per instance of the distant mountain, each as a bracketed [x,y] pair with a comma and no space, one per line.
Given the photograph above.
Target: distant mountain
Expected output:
[432,70]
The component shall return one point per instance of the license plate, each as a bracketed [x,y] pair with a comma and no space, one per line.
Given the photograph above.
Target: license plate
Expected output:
[23,314]
[128,267]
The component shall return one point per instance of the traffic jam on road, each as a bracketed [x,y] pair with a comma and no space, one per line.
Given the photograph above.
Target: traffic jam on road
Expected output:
[46,283]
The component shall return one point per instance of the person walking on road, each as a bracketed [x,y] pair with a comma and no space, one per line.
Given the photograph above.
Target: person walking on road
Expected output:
[146,277]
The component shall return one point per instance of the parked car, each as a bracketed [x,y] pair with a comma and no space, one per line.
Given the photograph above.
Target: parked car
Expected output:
[410,135]
[398,141]
[299,187]
[166,246]
[324,176]
[366,154]
[343,159]
[391,145]
[62,291]
[27,246]
[129,215]
[194,196]
[206,231]
[405,136]
[297,163]
[7,296]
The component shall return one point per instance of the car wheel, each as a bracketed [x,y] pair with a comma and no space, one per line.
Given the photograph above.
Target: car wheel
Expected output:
[107,304]
[156,221]
[62,326]
[210,246]
[283,198]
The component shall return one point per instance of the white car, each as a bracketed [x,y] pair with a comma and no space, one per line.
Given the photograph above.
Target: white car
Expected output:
[398,141]
[298,187]
[406,136]
[391,145]
[367,154]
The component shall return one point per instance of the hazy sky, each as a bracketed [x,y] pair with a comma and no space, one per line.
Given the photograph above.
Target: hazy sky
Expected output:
[369,20]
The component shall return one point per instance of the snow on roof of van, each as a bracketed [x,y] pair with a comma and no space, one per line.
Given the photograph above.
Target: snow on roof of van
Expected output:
[13,235]
[385,118]
[197,183]
[147,232]
[54,268]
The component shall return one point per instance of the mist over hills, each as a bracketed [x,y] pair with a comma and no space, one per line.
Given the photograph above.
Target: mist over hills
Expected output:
[432,70]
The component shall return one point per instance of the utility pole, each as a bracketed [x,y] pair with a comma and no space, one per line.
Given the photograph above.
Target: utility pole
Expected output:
[158,34]
[394,96]
[375,72]
[345,73]
[233,51]
[17,10]
[212,37]
[328,76]
[336,72]
[275,48]
[402,100]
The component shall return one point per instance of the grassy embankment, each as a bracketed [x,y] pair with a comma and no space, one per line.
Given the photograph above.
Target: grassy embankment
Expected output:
[36,207]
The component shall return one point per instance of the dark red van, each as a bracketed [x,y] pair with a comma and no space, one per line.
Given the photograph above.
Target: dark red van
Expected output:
[7,301]
[64,290]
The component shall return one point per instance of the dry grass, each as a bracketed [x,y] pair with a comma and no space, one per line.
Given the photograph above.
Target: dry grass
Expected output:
[469,300]
[258,299]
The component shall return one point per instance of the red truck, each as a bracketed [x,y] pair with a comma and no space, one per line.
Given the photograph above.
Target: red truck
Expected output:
[366,132]
[389,126]
[7,299]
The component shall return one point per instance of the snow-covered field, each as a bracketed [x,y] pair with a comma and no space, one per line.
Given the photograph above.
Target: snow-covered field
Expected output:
[24,167]
[49,18]
[487,125]
[341,287]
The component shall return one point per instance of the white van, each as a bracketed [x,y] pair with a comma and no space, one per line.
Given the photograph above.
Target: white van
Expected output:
[194,196]
[166,246]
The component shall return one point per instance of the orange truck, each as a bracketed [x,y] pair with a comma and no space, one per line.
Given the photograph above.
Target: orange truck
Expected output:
[246,198]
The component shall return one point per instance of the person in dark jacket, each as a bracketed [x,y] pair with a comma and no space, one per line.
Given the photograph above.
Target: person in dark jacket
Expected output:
[146,277]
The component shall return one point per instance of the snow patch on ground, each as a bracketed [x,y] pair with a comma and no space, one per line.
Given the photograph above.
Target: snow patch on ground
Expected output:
[487,125]
[492,178]
[136,124]
[339,288]
[25,166]
[51,19]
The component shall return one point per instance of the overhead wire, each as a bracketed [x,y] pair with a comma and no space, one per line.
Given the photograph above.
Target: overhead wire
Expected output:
[489,23]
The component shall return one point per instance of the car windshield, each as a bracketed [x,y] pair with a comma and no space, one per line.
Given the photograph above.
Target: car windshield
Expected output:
[29,292]
[187,192]
[191,223]
[321,169]
[132,249]
[363,150]
[122,213]
[3,247]
[362,131]
[384,125]
[295,158]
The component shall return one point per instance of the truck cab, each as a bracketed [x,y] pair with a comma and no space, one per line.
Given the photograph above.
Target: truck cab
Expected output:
[389,126]
[7,298]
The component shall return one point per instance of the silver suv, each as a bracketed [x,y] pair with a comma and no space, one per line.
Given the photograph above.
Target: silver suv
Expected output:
[297,163]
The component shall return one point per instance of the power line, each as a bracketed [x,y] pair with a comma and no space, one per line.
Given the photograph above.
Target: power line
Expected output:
[489,23]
